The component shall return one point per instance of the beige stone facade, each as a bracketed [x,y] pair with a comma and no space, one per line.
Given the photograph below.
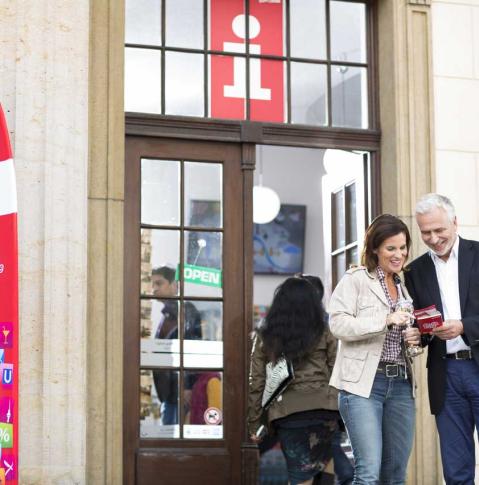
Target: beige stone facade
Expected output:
[62,90]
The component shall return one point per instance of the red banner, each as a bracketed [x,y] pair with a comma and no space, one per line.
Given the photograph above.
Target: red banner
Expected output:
[228,74]
[8,313]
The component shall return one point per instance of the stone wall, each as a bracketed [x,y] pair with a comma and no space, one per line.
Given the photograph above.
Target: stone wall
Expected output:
[44,92]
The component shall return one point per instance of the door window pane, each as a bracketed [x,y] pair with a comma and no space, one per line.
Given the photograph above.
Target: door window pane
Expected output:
[308,29]
[184,23]
[203,405]
[352,257]
[349,96]
[339,267]
[351,220]
[308,93]
[142,80]
[143,22]
[159,333]
[203,333]
[339,228]
[184,84]
[159,403]
[160,257]
[160,192]
[203,264]
[203,194]
[348,31]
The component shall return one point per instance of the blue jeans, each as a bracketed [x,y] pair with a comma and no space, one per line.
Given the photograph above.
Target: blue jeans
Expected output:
[381,430]
[342,467]
[456,421]
[169,413]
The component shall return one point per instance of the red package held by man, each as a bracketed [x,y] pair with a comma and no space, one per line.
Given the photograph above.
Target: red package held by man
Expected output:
[428,319]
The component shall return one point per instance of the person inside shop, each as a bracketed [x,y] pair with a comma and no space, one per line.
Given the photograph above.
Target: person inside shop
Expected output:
[304,415]
[372,371]
[164,285]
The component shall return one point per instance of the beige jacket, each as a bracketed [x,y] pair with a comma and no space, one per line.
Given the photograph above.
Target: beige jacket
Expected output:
[358,311]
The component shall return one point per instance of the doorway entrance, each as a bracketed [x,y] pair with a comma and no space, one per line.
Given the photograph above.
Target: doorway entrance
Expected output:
[191,263]
[185,337]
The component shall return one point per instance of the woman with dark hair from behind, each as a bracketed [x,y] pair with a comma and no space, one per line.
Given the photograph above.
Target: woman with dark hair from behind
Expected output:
[342,466]
[305,414]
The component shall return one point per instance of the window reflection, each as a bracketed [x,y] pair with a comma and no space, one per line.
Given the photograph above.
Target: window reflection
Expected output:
[142,80]
[308,29]
[203,263]
[184,84]
[348,31]
[203,345]
[349,96]
[184,23]
[159,333]
[308,93]
[203,194]
[338,219]
[159,403]
[203,408]
[160,256]
[143,22]
[160,192]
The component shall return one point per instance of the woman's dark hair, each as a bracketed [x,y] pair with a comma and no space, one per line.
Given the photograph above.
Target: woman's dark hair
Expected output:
[382,228]
[315,281]
[294,322]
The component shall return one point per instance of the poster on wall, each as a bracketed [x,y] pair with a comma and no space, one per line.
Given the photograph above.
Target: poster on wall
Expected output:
[228,73]
[8,312]
[279,245]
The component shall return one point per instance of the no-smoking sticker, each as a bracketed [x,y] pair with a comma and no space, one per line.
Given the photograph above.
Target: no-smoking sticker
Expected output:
[212,416]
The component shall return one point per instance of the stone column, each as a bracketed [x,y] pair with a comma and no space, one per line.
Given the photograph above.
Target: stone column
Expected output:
[44,90]
[407,165]
[105,245]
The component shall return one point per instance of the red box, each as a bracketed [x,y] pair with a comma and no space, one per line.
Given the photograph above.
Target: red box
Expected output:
[428,319]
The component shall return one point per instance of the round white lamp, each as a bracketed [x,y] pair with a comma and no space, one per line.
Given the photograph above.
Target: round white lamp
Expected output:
[266,204]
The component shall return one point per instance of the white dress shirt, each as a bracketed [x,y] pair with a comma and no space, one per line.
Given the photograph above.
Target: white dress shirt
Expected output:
[448,278]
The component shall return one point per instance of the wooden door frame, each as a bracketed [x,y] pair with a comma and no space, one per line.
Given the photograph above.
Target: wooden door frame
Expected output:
[244,461]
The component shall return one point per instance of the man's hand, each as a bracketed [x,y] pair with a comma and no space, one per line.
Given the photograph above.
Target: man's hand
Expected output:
[449,329]
[412,336]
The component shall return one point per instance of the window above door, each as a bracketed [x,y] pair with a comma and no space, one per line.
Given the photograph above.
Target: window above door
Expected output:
[305,62]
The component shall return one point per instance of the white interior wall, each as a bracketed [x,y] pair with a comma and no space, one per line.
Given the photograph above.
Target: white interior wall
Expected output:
[296,175]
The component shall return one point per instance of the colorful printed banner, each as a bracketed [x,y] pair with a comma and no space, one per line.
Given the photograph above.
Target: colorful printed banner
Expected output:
[228,73]
[8,312]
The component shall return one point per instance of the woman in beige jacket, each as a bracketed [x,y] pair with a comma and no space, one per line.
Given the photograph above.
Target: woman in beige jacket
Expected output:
[372,370]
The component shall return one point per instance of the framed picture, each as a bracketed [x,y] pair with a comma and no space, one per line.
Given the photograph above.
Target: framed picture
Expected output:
[259,312]
[279,245]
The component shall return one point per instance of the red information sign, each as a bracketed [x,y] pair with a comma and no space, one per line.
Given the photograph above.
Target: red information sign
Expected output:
[228,74]
[8,312]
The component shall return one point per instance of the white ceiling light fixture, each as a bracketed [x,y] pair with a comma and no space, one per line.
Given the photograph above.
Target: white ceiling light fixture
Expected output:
[266,203]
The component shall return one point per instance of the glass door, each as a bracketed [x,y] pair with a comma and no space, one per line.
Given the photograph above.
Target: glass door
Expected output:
[184,325]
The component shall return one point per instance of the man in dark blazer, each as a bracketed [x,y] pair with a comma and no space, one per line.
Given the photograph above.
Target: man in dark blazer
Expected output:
[448,277]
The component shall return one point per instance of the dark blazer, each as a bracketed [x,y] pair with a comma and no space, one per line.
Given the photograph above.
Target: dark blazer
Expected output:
[421,282]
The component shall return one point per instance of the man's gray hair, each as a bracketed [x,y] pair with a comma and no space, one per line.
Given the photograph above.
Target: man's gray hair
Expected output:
[429,202]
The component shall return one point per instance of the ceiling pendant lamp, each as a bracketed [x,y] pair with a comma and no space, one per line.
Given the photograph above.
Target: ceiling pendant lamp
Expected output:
[266,203]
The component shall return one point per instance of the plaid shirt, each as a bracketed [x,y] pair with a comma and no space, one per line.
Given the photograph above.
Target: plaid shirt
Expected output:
[392,344]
